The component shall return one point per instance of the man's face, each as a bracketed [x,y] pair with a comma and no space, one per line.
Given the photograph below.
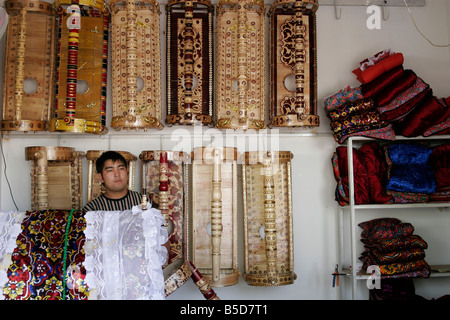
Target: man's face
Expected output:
[114,176]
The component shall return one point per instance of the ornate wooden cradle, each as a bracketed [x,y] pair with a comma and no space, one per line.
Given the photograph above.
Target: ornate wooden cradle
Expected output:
[94,184]
[293,61]
[164,178]
[213,224]
[268,233]
[136,58]
[189,62]
[28,87]
[82,49]
[240,90]
[56,178]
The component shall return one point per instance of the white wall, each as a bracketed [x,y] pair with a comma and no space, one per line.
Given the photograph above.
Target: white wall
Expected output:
[341,45]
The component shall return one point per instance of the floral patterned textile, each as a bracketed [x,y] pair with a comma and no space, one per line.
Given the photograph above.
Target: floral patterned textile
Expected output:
[391,245]
[345,95]
[36,271]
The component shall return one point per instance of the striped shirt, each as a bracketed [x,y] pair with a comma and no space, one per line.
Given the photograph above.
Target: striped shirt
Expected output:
[102,203]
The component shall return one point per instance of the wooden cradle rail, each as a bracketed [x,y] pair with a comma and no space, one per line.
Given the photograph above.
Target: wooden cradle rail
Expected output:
[268,232]
[189,62]
[293,63]
[56,179]
[136,73]
[28,88]
[240,91]
[213,224]
[81,65]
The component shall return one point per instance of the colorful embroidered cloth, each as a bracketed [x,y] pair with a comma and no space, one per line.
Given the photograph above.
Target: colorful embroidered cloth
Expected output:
[122,248]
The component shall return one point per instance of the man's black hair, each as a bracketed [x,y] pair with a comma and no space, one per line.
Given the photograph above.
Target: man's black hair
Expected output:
[109,155]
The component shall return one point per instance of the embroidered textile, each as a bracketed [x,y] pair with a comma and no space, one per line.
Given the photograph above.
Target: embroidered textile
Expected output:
[124,254]
[33,246]
[10,222]
[391,245]
[379,68]
[36,270]
[345,95]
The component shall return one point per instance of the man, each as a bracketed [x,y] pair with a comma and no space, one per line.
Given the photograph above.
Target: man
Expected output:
[113,173]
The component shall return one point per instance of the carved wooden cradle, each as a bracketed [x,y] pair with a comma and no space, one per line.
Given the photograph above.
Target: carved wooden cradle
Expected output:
[81,67]
[268,232]
[189,62]
[56,177]
[94,183]
[136,58]
[240,76]
[28,88]
[213,221]
[293,63]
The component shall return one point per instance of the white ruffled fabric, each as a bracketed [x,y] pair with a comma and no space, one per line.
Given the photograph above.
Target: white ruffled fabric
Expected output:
[124,254]
[10,228]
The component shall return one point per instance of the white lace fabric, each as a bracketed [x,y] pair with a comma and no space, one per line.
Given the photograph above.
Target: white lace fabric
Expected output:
[124,254]
[10,228]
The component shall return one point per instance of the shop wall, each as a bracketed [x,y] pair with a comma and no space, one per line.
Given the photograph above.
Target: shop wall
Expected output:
[342,43]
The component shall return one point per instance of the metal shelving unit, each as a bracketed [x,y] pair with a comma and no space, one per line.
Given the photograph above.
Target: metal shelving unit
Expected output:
[352,208]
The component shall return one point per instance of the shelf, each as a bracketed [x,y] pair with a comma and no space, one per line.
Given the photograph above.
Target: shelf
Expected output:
[400,205]
[437,271]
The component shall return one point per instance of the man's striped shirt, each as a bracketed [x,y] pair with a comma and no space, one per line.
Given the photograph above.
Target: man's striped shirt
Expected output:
[102,203]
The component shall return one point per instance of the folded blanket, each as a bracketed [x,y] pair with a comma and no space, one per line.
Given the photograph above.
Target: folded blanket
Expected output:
[379,68]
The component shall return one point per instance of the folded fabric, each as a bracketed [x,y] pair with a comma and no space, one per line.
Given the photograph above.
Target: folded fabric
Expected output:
[376,168]
[409,169]
[385,228]
[361,182]
[374,257]
[382,130]
[406,267]
[379,68]
[399,85]
[351,108]
[440,161]
[396,244]
[380,83]
[355,121]
[374,59]
[426,114]
[345,95]
[408,197]
[397,111]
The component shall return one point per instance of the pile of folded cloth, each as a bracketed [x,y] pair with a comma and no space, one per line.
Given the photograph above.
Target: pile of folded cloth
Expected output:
[394,172]
[392,246]
[390,100]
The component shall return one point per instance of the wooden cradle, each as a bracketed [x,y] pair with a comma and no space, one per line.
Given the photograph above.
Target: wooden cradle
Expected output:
[213,224]
[136,58]
[268,233]
[28,87]
[56,178]
[82,50]
[94,183]
[240,75]
[189,62]
[293,61]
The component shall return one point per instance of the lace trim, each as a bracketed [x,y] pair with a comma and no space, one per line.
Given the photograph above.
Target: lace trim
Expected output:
[10,228]
[124,254]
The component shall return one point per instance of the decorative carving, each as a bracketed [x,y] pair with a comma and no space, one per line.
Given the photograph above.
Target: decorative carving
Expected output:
[240,71]
[136,75]
[29,66]
[293,71]
[268,230]
[189,62]
[80,103]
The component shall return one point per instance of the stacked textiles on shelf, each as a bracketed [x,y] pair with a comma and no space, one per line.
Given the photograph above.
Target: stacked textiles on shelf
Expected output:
[394,248]
[390,100]
[394,172]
